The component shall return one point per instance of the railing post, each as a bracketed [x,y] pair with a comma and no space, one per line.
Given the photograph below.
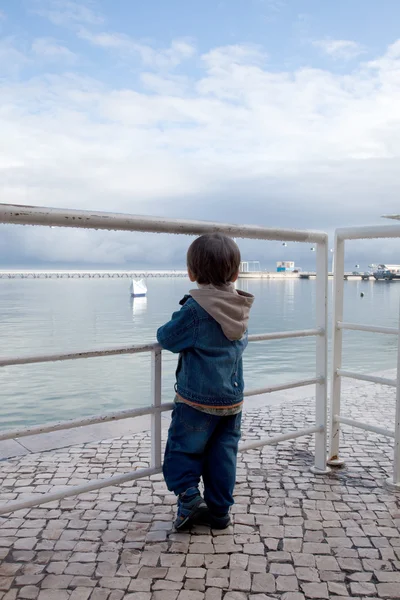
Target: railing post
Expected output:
[321,396]
[394,483]
[337,339]
[156,360]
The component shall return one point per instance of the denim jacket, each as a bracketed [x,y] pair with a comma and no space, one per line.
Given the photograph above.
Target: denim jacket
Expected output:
[210,368]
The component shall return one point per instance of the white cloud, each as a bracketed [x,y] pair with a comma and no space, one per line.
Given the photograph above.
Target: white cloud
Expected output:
[341,49]
[49,49]
[171,57]
[112,41]
[389,61]
[12,59]
[230,56]
[67,12]
[169,85]
[237,142]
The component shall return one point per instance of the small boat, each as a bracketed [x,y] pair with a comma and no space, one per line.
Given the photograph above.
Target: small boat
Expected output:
[387,272]
[138,288]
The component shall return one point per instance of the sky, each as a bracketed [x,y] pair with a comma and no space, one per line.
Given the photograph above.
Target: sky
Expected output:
[283,113]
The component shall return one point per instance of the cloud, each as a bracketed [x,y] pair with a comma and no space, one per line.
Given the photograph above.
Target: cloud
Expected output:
[165,84]
[67,12]
[340,49]
[12,58]
[236,141]
[230,56]
[50,50]
[170,57]
[389,61]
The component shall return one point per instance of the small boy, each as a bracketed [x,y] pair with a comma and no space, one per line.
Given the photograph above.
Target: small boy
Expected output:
[210,334]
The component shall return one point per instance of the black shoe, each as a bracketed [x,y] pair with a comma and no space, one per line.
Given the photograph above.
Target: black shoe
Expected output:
[214,521]
[190,511]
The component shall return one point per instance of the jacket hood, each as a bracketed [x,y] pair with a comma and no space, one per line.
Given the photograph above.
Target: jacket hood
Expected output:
[228,306]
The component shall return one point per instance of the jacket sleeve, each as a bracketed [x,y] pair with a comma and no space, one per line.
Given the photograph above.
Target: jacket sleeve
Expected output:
[180,332]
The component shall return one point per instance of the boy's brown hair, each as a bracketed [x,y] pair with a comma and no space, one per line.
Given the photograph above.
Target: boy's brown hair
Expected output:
[213,258]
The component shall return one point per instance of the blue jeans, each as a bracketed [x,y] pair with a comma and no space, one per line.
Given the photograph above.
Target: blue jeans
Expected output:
[202,445]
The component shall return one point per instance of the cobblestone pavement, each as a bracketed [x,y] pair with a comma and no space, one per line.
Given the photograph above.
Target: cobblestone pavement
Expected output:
[295,535]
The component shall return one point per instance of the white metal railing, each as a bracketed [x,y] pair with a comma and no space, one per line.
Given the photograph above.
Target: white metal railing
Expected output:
[356,233]
[25,215]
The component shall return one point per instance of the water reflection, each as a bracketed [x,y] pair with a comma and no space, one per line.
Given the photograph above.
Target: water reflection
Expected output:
[242,285]
[287,296]
[139,306]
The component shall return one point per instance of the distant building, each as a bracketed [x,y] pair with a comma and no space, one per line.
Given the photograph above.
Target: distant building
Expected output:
[285,266]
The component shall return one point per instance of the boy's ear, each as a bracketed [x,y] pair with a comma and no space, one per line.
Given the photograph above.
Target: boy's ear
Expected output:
[192,277]
[235,277]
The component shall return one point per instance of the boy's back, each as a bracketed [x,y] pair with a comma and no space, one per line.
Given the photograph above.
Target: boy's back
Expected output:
[210,334]
[210,370]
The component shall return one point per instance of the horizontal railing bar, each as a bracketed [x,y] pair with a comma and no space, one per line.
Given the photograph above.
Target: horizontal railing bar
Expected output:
[282,335]
[93,420]
[43,358]
[271,441]
[75,490]
[368,232]
[364,377]
[57,217]
[369,328]
[366,426]
[136,349]
[284,386]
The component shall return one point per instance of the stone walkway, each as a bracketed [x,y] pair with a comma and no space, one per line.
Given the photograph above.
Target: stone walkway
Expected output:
[295,535]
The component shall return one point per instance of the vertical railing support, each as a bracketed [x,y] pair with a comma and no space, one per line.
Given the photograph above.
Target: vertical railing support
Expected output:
[156,361]
[321,394]
[337,339]
[394,483]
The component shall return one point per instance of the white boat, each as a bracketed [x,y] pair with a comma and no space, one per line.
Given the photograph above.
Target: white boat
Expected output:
[138,288]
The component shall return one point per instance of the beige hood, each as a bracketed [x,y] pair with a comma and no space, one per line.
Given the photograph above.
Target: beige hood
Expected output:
[228,306]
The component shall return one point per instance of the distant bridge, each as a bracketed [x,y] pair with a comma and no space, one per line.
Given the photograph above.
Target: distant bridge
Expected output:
[99,274]
[28,274]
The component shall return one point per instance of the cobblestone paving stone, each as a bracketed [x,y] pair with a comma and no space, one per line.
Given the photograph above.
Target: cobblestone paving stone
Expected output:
[294,536]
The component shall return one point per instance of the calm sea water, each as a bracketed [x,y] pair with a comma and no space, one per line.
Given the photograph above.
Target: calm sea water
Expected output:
[46,316]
